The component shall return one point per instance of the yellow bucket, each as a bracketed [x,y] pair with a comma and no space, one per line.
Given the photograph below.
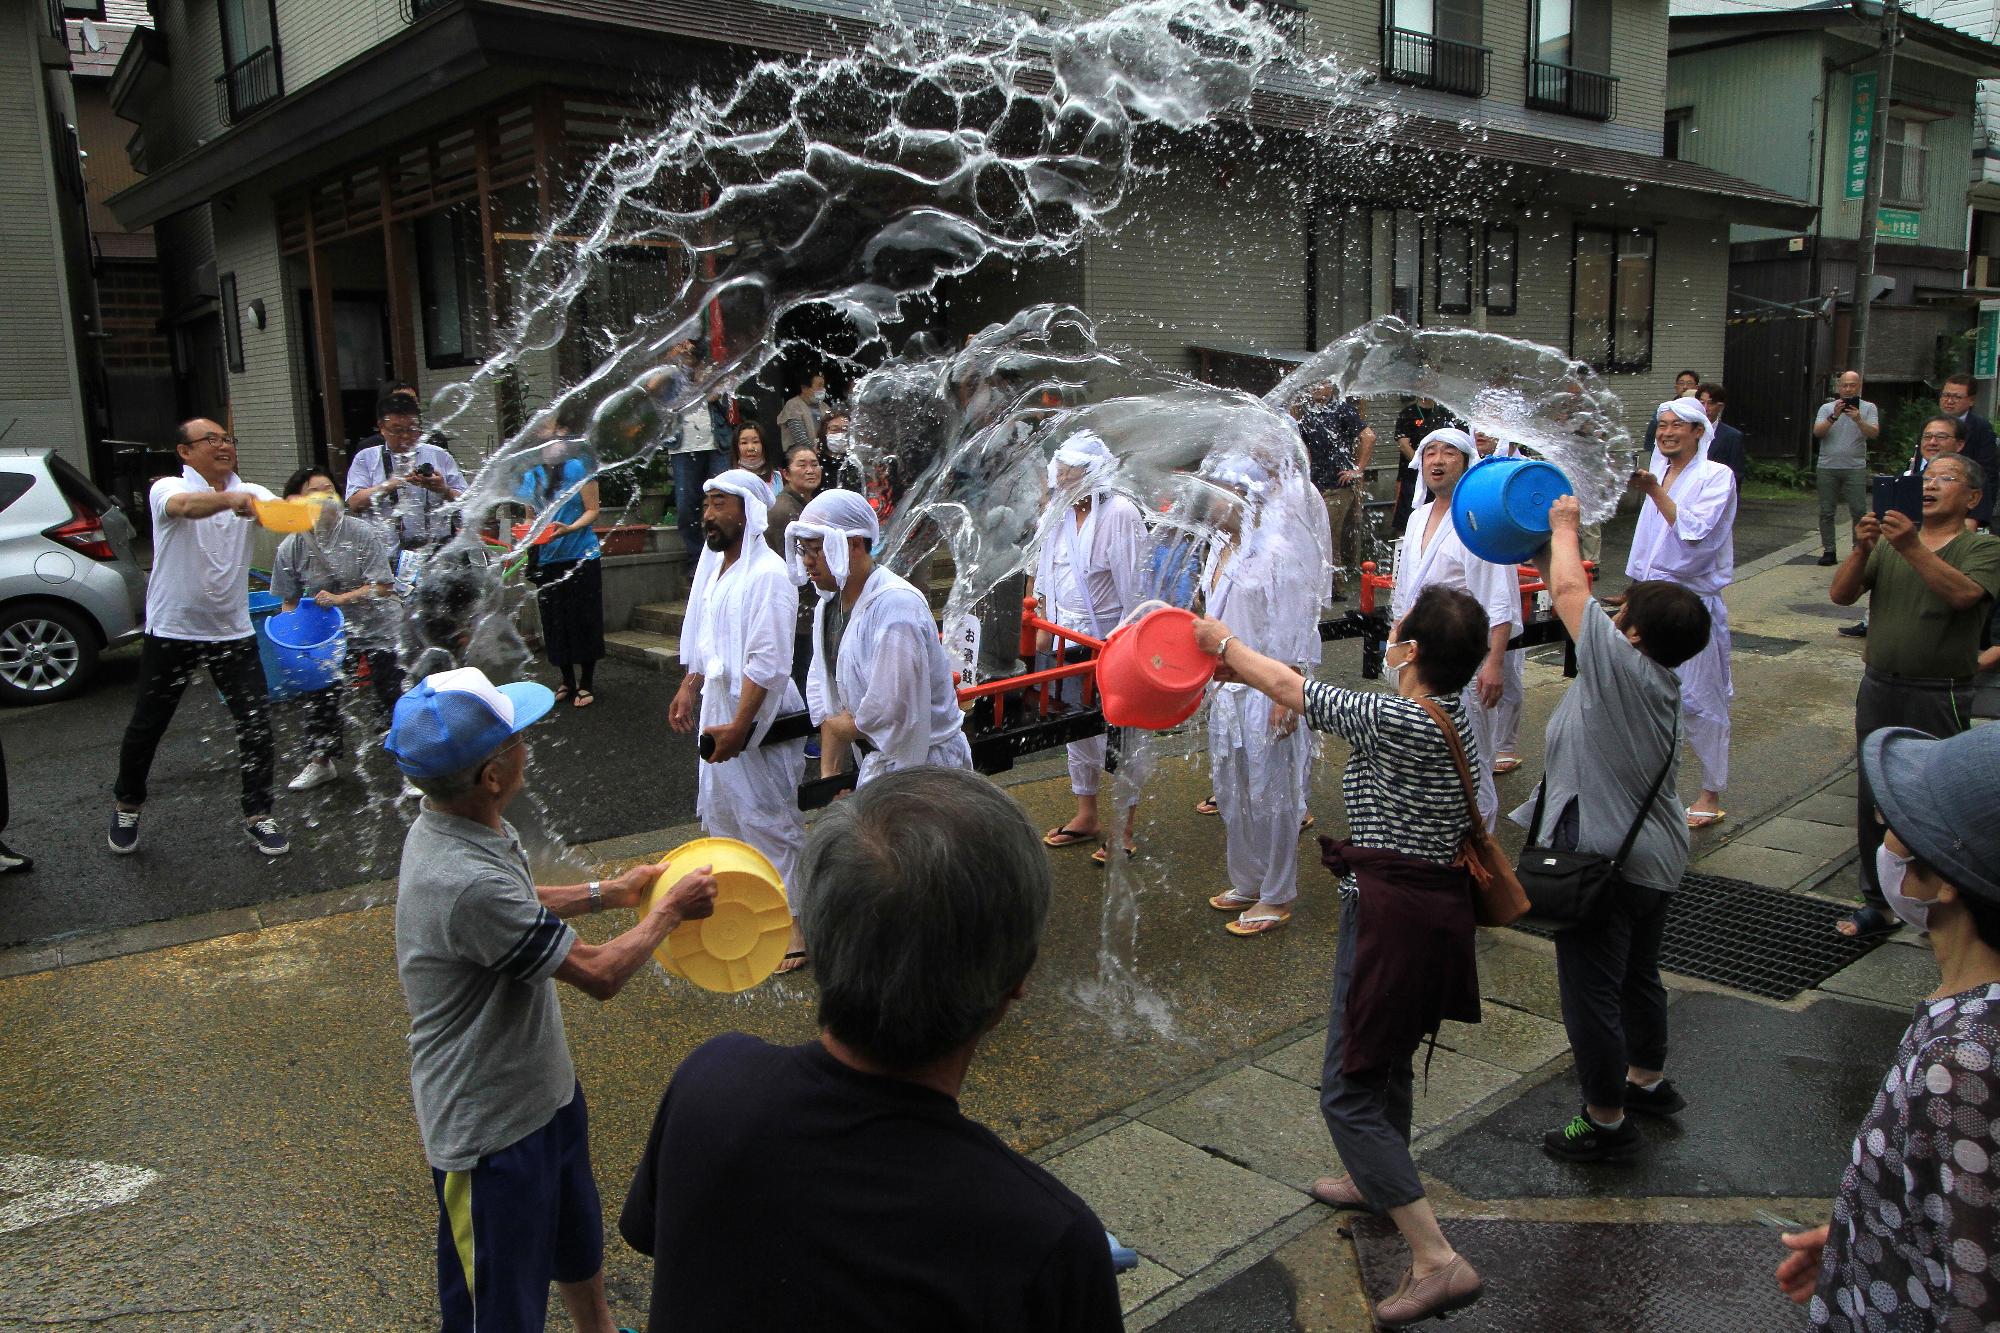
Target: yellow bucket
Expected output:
[743,941]
[291,515]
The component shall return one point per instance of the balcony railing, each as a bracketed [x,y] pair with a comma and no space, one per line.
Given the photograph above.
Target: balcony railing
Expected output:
[1435,62]
[1572,91]
[250,83]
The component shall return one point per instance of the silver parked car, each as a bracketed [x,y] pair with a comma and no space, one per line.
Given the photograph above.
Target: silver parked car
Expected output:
[69,585]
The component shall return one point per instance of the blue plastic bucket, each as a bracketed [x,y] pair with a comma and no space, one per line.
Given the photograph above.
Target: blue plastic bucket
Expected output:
[1501,507]
[263,606]
[310,644]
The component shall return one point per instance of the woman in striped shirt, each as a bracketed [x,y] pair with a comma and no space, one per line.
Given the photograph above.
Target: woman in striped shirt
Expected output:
[1407,815]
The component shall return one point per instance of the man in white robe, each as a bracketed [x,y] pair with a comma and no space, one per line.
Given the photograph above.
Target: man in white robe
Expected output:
[1431,553]
[736,645]
[885,696]
[1088,578]
[1266,574]
[1506,754]
[1686,535]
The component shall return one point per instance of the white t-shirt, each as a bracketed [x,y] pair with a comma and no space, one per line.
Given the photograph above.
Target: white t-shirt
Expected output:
[200,586]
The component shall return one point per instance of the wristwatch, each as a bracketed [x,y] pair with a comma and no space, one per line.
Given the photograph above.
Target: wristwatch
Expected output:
[596,889]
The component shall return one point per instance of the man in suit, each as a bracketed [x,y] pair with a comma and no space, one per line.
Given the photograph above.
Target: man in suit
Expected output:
[1727,446]
[1955,400]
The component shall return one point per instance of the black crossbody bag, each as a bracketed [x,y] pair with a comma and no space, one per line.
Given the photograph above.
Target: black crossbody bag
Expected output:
[1572,888]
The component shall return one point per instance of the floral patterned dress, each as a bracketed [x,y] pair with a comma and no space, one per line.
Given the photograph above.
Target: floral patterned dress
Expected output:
[1915,1239]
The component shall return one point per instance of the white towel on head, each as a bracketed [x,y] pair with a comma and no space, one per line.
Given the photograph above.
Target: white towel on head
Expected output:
[833,517]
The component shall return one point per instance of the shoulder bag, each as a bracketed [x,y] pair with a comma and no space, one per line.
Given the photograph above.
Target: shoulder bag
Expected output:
[1573,888]
[1498,898]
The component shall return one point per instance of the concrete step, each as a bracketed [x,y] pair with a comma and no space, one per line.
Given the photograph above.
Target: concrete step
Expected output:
[656,652]
[659,617]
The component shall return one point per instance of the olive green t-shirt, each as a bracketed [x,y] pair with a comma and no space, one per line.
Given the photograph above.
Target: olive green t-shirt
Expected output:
[1911,632]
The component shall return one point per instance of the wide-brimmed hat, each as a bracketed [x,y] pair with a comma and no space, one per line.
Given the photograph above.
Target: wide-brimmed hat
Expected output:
[1938,797]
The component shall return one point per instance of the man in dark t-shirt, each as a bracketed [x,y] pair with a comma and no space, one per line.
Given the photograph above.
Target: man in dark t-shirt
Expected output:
[836,1185]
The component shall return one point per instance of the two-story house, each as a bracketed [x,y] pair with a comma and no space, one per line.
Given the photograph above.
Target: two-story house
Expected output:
[348,184]
[1788,98]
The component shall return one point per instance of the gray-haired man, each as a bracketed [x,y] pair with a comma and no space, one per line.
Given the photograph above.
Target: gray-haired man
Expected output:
[837,1184]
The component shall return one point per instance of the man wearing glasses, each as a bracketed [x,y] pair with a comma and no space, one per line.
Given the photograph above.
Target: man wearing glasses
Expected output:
[198,614]
[406,481]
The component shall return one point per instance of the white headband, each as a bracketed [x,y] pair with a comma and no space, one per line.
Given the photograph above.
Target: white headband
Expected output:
[752,491]
[1454,437]
[1085,449]
[833,517]
[1691,411]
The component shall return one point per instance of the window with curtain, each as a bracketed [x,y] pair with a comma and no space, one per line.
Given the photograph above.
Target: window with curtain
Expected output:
[451,284]
[1503,245]
[1611,299]
[1903,155]
[1451,253]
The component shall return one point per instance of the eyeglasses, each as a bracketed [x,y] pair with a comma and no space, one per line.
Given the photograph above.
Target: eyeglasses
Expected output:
[229,440]
[1939,435]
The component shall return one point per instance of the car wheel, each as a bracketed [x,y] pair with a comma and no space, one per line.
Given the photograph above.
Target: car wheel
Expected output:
[48,653]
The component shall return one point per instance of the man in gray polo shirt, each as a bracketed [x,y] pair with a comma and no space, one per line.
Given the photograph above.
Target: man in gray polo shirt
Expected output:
[1845,427]
[478,947]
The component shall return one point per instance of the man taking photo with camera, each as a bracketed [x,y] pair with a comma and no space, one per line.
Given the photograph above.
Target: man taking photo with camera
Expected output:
[406,482]
[1845,427]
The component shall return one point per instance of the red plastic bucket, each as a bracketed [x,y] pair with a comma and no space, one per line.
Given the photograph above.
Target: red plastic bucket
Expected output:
[1151,673]
[542,538]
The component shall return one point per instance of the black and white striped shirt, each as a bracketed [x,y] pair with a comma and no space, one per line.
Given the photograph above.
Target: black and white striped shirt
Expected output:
[1401,787]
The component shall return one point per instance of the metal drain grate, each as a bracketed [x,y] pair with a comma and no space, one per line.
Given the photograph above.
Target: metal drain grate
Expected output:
[1755,939]
[1586,1277]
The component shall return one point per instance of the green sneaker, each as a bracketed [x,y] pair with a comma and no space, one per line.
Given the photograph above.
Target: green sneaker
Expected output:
[1584,1140]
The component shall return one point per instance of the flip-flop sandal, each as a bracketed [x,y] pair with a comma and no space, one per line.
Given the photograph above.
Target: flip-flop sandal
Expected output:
[797,960]
[1064,836]
[1229,902]
[1506,763]
[1255,925]
[583,699]
[564,693]
[1705,818]
[1207,806]
[1102,856]
[1326,1190]
[1868,922]
[1307,822]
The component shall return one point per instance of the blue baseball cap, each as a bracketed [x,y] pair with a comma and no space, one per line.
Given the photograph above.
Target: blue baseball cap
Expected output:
[1938,796]
[454,720]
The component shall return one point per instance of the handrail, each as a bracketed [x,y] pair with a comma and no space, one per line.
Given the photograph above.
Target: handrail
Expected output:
[1586,93]
[1425,60]
[250,83]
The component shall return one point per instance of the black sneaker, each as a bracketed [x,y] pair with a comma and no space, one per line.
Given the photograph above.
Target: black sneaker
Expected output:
[1828,558]
[12,862]
[1663,1100]
[1859,631]
[270,839]
[1584,1140]
[124,838]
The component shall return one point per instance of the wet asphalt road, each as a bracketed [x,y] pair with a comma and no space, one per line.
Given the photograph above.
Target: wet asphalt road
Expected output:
[602,772]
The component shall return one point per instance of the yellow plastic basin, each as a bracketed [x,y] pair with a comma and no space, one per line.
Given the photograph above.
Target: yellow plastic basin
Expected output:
[743,941]
[290,515]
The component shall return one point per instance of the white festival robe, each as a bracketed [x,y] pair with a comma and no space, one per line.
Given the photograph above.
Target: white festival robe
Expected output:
[1269,596]
[1497,589]
[740,626]
[1109,545]
[894,676]
[1698,552]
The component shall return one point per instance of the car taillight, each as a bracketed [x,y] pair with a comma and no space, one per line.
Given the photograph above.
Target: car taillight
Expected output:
[83,533]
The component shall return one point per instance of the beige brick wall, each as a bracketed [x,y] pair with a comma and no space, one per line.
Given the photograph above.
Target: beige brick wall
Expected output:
[266,406]
[319,35]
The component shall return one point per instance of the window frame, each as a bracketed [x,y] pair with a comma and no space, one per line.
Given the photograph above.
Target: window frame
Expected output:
[1470,272]
[1680,121]
[1902,152]
[1613,363]
[471,296]
[1513,235]
[232,322]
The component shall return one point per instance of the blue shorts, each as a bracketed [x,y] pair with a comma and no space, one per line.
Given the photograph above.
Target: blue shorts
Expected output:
[525,1216]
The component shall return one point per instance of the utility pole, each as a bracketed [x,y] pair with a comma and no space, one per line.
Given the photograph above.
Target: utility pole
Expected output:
[1871,194]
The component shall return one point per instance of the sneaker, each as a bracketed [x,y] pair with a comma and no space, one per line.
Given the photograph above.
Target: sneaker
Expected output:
[124,837]
[812,748]
[1859,631]
[12,862]
[1828,558]
[270,839]
[1584,1140]
[1663,1100]
[315,774]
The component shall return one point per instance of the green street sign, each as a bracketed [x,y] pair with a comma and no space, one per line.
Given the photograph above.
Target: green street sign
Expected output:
[1898,224]
[1986,347]
[1860,134]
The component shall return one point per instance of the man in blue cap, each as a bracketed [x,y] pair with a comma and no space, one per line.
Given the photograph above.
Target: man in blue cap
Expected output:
[478,947]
